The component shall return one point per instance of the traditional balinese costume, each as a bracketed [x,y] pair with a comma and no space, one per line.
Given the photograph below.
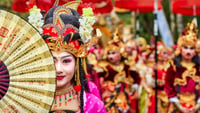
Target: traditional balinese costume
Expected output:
[162,66]
[182,78]
[119,81]
[58,25]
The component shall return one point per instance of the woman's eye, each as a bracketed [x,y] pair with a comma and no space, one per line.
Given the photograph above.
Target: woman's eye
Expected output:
[185,47]
[66,61]
[192,48]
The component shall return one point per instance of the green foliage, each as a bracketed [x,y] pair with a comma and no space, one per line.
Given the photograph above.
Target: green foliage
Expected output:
[5,3]
[126,17]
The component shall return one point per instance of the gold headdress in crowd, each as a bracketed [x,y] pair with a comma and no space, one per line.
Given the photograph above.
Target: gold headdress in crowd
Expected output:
[131,43]
[161,48]
[142,43]
[116,44]
[198,46]
[188,37]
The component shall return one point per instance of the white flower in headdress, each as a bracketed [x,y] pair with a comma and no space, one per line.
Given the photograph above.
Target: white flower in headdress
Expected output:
[86,23]
[36,19]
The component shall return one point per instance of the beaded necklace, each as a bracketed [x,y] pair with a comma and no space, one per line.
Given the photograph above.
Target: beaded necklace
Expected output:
[64,99]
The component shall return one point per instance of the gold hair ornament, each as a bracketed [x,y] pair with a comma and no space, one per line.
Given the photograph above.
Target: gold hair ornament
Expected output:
[188,37]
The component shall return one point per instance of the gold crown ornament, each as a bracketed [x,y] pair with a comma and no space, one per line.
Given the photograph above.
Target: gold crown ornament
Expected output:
[161,48]
[189,37]
[116,44]
[57,30]
[142,43]
[198,46]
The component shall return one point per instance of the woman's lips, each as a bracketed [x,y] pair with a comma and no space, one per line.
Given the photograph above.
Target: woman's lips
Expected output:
[110,59]
[188,54]
[60,77]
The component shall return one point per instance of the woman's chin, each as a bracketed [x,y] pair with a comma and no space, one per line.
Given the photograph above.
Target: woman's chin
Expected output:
[59,84]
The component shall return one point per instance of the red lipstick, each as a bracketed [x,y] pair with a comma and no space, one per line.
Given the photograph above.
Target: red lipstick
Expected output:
[60,77]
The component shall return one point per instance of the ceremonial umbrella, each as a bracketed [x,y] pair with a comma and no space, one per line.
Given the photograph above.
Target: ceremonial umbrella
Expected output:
[23,6]
[186,7]
[99,6]
[142,6]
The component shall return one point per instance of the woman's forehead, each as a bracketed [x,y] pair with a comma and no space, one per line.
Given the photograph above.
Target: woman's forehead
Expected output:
[188,46]
[61,54]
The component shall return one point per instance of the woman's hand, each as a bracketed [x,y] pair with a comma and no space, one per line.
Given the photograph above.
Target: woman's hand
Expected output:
[181,109]
[185,110]
[195,108]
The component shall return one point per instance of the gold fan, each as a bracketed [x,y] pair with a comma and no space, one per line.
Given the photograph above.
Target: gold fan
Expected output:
[27,72]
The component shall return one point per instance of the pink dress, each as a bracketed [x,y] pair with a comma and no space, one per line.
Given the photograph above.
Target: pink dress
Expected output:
[92,100]
[94,89]
[93,104]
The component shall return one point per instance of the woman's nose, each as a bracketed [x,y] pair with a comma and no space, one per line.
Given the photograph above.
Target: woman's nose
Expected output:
[58,67]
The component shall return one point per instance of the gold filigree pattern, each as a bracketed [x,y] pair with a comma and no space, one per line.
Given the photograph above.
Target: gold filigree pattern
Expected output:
[187,73]
[57,45]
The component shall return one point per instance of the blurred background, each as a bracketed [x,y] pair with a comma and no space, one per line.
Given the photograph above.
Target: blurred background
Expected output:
[140,23]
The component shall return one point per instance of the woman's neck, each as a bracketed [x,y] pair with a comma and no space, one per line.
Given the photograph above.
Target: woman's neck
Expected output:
[186,60]
[66,99]
[117,63]
[187,64]
[63,90]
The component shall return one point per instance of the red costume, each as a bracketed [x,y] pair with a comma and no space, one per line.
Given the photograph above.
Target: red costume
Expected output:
[119,80]
[182,77]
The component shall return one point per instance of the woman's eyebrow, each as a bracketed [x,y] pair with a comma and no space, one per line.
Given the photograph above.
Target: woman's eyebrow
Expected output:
[62,56]
[66,56]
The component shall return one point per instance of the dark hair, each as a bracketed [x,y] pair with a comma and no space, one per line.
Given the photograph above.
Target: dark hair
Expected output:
[67,19]
[82,86]
[178,60]
[72,19]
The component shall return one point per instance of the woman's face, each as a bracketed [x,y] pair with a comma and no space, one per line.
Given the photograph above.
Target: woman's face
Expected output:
[151,58]
[65,68]
[188,52]
[113,57]
[163,55]
[130,50]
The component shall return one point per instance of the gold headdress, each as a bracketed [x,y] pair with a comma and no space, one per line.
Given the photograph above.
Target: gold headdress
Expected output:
[161,48]
[198,46]
[142,43]
[188,37]
[58,30]
[131,43]
[116,44]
